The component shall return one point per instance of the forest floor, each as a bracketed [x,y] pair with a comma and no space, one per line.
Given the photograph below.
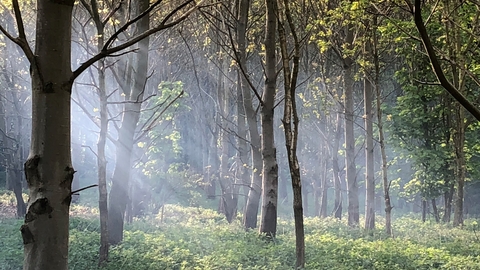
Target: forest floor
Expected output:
[197,238]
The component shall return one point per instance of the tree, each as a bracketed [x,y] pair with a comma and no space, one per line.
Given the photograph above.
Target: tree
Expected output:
[250,214]
[49,168]
[459,69]
[268,223]
[290,125]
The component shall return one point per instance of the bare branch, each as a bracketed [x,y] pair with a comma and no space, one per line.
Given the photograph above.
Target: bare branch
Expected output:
[87,146]
[153,124]
[109,51]
[132,101]
[242,68]
[18,18]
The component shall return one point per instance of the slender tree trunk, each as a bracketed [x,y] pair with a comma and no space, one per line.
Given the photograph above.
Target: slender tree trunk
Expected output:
[121,175]
[268,223]
[242,154]
[369,170]
[336,169]
[324,200]
[448,198]
[229,198]
[12,139]
[459,139]
[351,171]
[424,210]
[48,168]
[253,201]
[290,125]
[435,210]
[101,160]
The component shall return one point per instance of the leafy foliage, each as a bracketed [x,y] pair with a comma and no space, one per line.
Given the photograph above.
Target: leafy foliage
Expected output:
[197,238]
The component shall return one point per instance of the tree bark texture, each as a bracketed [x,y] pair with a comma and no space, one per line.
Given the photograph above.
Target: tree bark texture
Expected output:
[268,223]
[459,139]
[48,168]
[290,126]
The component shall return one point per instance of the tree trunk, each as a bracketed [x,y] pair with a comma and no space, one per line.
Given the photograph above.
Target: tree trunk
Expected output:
[324,200]
[268,223]
[459,139]
[229,198]
[435,210]
[336,169]
[101,160]
[253,201]
[102,138]
[351,171]
[48,168]
[242,153]
[369,166]
[424,210]
[448,198]
[290,125]
[121,175]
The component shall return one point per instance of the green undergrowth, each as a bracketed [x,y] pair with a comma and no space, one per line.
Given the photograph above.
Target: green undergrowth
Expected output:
[194,238]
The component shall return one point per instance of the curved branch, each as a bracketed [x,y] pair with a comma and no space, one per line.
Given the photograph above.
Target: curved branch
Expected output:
[437,68]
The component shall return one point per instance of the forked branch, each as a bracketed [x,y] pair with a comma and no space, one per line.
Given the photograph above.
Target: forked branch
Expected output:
[108,51]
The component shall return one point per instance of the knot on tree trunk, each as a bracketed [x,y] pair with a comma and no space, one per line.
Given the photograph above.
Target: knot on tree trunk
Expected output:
[39,207]
[31,170]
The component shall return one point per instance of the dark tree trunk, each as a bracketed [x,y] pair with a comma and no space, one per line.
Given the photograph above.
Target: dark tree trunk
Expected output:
[290,125]
[435,210]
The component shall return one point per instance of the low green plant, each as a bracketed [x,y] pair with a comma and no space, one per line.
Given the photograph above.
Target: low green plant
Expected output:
[196,238]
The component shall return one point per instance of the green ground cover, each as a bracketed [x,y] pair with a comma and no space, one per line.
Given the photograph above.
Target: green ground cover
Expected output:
[196,238]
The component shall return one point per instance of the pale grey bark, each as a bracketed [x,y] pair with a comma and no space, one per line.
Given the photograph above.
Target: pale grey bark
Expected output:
[119,198]
[369,158]
[250,215]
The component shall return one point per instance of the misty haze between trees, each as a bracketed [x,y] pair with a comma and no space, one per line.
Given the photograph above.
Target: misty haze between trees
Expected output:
[201,125]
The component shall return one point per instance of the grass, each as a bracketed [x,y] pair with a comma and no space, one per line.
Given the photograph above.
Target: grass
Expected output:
[196,238]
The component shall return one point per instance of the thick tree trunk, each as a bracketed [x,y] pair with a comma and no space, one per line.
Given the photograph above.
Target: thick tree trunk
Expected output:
[121,175]
[48,168]
[369,166]
[268,223]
